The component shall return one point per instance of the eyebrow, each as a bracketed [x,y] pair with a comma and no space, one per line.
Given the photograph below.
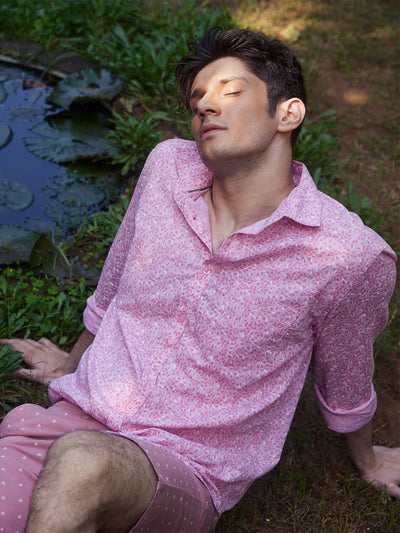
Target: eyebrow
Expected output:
[223,81]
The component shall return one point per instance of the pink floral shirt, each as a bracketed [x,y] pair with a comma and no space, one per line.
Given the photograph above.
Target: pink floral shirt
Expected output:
[207,354]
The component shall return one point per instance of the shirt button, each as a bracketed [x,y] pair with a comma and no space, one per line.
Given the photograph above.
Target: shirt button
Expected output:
[181,318]
[206,270]
[154,366]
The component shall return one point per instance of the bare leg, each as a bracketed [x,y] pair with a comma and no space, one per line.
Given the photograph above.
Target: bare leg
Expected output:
[91,482]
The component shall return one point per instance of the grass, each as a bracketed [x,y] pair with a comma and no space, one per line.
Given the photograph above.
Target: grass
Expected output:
[352,153]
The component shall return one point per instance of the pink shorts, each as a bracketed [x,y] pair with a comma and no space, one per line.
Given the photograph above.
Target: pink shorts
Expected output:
[181,502]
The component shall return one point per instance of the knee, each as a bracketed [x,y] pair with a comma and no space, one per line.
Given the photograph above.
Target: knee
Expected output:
[78,457]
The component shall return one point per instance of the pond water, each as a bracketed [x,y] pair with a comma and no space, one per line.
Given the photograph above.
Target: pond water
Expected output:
[36,193]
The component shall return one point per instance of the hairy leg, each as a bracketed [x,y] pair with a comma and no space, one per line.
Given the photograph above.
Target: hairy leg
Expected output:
[91,482]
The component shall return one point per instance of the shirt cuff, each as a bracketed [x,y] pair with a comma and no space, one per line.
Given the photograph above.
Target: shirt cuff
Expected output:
[347,420]
[92,315]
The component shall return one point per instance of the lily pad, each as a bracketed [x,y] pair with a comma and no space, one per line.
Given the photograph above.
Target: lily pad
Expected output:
[16,243]
[85,86]
[74,191]
[79,191]
[3,93]
[11,86]
[68,140]
[5,134]
[26,113]
[14,195]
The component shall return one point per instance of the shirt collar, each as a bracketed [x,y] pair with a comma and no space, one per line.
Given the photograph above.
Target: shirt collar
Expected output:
[303,205]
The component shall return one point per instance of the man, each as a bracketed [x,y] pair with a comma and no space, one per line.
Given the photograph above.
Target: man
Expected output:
[230,272]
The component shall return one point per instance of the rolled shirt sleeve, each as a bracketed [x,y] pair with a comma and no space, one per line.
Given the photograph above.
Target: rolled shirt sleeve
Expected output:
[343,363]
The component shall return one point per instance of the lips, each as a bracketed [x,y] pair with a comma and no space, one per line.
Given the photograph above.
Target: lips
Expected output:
[209,128]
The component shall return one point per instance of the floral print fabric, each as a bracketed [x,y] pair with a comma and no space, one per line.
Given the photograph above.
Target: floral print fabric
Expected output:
[207,354]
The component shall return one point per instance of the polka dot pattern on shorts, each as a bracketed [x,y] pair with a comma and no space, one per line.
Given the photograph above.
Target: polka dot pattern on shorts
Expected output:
[181,503]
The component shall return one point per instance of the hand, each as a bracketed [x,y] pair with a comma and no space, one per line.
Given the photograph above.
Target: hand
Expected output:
[46,360]
[385,475]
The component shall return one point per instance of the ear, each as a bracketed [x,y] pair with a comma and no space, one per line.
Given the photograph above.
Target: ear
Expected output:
[291,114]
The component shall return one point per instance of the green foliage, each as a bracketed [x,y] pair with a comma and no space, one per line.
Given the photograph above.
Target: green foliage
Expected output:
[103,226]
[97,233]
[132,139]
[363,206]
[316,147]
[39,305]
[10,362]
[54,22]
[148,60]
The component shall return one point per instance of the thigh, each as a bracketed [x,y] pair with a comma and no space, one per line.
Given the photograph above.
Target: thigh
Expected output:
[143,487]
[103,479]
[26,433]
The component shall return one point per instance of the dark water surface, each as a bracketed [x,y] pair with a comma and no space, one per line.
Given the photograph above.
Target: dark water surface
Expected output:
[62,196]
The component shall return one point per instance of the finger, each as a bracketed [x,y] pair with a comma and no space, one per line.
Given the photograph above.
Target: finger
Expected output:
[393,490]
[46,342]
[33,375]
[20,343]
[8,341]
[24,373]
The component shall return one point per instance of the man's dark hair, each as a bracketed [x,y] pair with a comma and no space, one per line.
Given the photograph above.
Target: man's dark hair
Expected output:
[269,59]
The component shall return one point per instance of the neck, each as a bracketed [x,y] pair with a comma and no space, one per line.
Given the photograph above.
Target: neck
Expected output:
[244,192]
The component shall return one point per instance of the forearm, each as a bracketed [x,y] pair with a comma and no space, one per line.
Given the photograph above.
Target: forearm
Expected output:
[79,348]
[360,448]
[377,465]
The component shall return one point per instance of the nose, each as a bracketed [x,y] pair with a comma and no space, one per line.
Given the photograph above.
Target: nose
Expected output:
[207,105]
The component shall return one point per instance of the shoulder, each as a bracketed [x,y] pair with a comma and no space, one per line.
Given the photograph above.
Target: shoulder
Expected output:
[176,150]
[338,240]
[357,255]
[336,233]
[179,158]
[348,231]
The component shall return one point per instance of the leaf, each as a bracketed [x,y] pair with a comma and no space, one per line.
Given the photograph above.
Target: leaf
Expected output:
[5,134]
[85,86]
[16,243]
[10,361]
[26,113]
[67,140]
[3,93]
[15,195]
[74,191]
